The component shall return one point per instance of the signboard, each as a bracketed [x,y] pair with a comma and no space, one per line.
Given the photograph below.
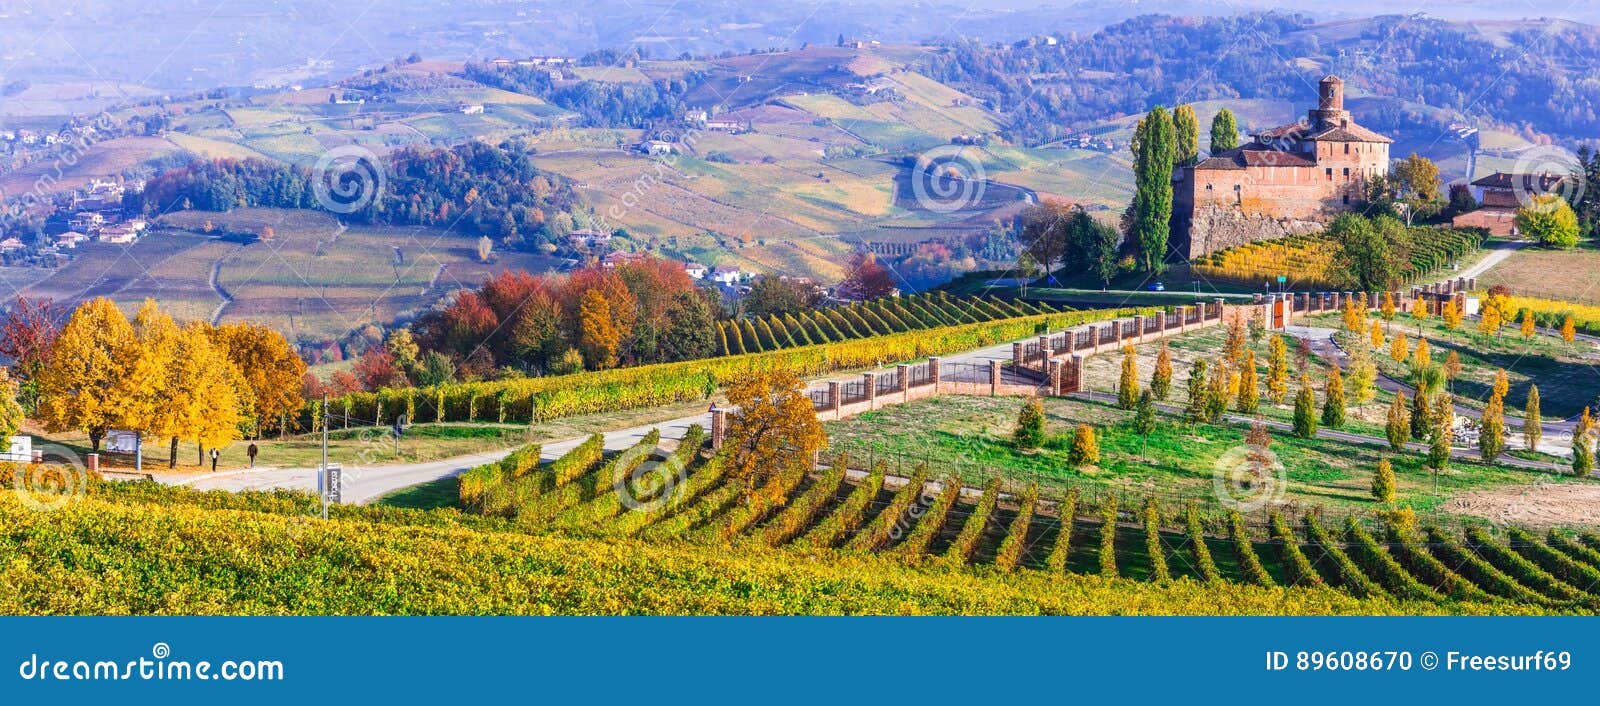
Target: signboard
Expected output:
[122,441]
[1282,279]
[20,449]
[333,483]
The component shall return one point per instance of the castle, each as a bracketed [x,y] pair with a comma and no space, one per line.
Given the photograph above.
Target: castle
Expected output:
[1290,179]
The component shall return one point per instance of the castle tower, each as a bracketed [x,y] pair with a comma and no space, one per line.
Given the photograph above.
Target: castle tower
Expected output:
[1330,110]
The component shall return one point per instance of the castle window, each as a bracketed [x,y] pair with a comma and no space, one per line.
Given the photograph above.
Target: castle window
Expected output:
[1347,148]
[1347,199]
[1330,173]
[1347,172]
[1208,187]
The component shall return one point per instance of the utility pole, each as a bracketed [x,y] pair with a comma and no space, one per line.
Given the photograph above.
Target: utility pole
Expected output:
[322,473]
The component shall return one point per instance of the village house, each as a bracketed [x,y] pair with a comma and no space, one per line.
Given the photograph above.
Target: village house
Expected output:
[1501,194]
[694,270]
[86,221]
[588,237]
[1288,180]
[654,148]
[119,234]
[727,274]
[470,109]
[729,126]
[70,240]
[11,245]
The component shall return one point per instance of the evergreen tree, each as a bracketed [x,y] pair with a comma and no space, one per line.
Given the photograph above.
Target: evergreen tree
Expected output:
[1397,426]
[1582,455]
[1421,410]
[1144,415]
[1249,398]
[1030,425]
[1442,433]
[1199,390]
[1161,378]
[1333,401]
[1128,385]
[1219,393]
[1532,426]
[1492,429]
[1305,411]
[1085,449]
[1153,148]
[1186,136]
[1277,370]
[1383,482]
[1224,132]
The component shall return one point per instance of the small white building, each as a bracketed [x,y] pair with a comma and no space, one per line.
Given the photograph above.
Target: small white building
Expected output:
[694,270]
[727,274]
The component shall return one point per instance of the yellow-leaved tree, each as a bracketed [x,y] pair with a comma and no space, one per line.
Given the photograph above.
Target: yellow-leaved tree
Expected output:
[272,370]
[206,397]
[77,387]
[772,428]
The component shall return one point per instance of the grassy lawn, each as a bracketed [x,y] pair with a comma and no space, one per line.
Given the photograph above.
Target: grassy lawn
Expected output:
[1101,373]
[971,436]
[1568,374]
[1567,275]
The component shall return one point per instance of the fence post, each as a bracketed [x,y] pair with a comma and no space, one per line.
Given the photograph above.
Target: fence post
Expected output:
[833,397]
[1016,354]
[871,379]
[903,371]
[1072,375]
[1055,378]
[994,378]
[933,374]
[719,426]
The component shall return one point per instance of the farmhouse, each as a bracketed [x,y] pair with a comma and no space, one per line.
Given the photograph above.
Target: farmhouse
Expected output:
[1502,194]
[1289,179]
[694,270]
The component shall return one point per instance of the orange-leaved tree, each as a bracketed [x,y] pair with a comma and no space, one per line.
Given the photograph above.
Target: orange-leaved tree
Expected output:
[773,428]
[76,387]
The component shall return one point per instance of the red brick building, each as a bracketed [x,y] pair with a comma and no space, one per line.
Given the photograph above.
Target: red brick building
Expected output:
[1501,195]
[1286,180]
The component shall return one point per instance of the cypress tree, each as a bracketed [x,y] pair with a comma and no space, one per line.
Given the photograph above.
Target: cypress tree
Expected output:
[1492,430]
[1199,389]
[1085,449]
[1532,426]
[1161,378]
[1420,413]
[1128,385]
[1383,482]
[1224,131]
[1582,455]
[1277,370]
[1144,415]
[1398,424]
[1305,415]
[1333,400]
[1442,433]
[1249,392]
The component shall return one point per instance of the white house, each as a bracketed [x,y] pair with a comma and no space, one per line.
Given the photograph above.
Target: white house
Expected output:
[694,270]
[727,274]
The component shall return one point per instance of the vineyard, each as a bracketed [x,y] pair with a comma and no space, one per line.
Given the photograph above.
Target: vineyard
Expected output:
[863,320]
[927,522]
[143,548]
[1314,261]
[529,400]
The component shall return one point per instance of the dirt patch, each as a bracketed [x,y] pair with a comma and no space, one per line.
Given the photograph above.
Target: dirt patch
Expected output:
[1541,505]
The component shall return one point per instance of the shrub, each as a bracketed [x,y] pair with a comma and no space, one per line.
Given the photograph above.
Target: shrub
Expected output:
[1383,482]
[1085,449]
[1029,433]
[1305,416]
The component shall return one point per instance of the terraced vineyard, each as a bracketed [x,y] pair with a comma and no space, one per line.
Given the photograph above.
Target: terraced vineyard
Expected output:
[876,318]
[1312,261]
[930,522]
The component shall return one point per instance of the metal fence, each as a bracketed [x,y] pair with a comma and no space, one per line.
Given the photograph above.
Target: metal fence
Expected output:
[919,375]
[887,382]
[964,372]
[820,399]
[852,392]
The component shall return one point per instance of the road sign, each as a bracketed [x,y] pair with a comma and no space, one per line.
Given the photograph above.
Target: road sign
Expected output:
[333,483]
[1282,279]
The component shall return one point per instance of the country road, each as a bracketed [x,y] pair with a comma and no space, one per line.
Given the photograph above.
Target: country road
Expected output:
[364,484]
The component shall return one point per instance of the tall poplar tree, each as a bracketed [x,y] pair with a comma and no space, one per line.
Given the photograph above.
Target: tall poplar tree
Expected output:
[1186,136]
[1224,131]
[1153,154]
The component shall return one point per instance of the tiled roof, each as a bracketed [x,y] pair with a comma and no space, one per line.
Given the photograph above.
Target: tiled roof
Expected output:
[1502,180]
